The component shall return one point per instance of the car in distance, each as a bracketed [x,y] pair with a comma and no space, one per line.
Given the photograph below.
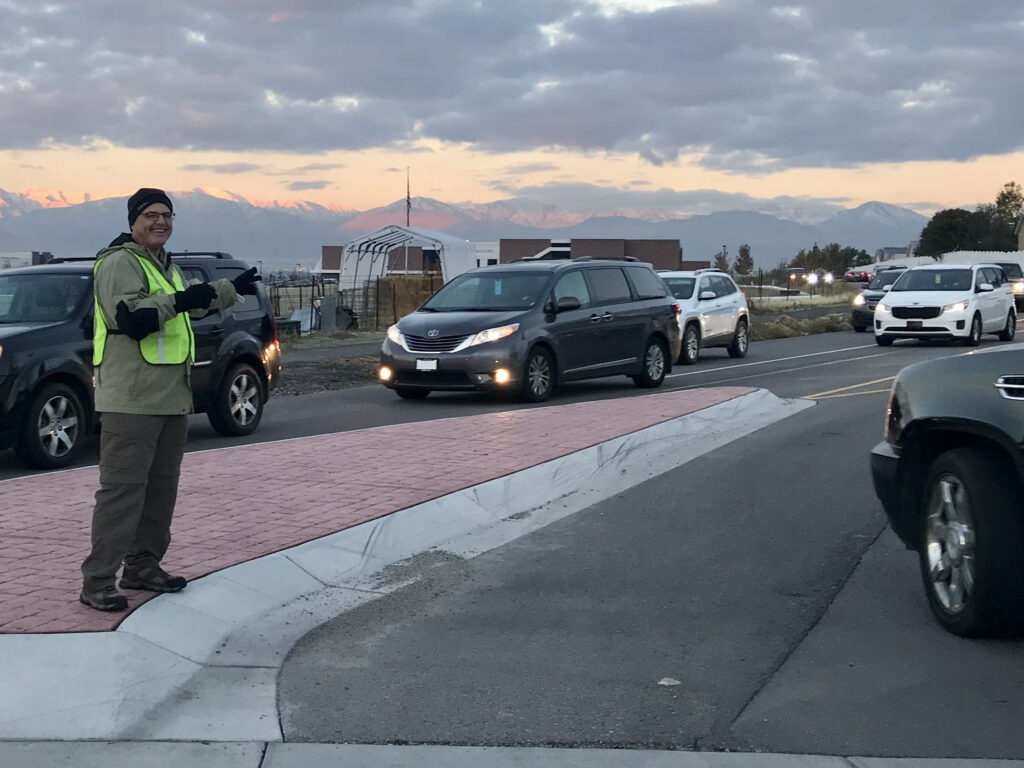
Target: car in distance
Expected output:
[46,331]
[857,275]
[1015,275]
[713,312]
[527,326]
[947,301]
[950,476]
[862,314]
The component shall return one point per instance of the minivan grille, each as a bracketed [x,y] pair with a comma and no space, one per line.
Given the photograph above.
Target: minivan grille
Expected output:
[1011,387]
[439,344]
[916,313]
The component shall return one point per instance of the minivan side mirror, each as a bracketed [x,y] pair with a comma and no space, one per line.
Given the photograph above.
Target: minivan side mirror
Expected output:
[985,288]
[567,304]
[705,295]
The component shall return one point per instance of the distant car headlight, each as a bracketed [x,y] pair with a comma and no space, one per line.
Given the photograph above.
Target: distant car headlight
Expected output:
[1018,287]
[394,335]
[882,308]
[958,306]
[494,334]
[858,300]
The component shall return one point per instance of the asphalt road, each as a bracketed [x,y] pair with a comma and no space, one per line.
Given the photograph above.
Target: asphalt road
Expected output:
[761,577]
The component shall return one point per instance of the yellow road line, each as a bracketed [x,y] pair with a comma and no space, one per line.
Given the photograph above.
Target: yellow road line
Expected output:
[848,394]
[846,389]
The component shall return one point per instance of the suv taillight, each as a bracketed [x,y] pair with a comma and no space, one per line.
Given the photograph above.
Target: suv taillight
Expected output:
[677,308]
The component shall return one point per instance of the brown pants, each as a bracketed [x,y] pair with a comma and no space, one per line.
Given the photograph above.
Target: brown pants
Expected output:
[140,460]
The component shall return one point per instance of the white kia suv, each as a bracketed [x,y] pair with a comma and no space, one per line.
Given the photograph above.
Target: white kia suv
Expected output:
[713,312]
[947,301]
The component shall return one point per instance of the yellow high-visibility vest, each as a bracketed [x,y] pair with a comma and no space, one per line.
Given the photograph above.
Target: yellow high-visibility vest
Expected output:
[171,345]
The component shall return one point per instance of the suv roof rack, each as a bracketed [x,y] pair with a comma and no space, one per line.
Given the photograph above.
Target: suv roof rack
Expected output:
[710,269]
[606,258]
[209,254]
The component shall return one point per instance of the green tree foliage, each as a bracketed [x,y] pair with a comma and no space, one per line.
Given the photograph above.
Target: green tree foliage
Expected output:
[1009,203]
[987,228]
[722,262]
[744,264]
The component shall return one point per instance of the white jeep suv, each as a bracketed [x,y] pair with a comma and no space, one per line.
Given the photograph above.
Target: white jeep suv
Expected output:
[713,312]
[947,301]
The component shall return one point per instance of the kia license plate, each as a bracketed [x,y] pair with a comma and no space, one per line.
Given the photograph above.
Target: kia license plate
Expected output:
[426,365]
[914,323]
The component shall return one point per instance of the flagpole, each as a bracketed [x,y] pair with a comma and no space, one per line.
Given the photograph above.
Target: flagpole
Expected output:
[408,207]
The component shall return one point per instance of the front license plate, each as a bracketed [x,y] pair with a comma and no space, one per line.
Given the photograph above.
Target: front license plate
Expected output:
[426,365]
[914,324]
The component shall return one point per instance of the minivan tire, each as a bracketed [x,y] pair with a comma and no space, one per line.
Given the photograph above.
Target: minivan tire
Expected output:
[740,340]
[689,351]
[412,393]
[973,338]
[653,365]
[66,415]
[539,374]
[241,389]
[1010,329]
[884,341]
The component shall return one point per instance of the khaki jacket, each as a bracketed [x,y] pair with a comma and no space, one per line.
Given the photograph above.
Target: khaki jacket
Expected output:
[125,382]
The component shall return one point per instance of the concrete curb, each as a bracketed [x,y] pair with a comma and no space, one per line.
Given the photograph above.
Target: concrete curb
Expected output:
[202,664]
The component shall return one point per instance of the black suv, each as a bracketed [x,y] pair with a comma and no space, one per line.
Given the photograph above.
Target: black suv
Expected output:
[950,475]
[527,326]
[46,328]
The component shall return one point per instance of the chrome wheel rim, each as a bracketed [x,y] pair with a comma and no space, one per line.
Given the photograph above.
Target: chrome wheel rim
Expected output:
[692,345]
[539,375]
[58,426]
[741,337]
[654,364]
[949,544]
[244,398]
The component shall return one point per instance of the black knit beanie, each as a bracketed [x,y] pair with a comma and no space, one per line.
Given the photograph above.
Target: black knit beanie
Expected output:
[144,198]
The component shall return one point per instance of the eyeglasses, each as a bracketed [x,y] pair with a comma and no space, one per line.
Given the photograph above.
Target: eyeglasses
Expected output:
[152,216]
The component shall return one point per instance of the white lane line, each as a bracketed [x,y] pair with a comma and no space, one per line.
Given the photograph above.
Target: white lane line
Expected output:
[787,370]
[774,360]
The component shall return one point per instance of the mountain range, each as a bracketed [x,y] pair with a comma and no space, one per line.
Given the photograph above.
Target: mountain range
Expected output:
[283,234]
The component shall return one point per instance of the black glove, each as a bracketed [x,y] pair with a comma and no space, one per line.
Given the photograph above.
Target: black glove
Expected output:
[245,283]
[198,296]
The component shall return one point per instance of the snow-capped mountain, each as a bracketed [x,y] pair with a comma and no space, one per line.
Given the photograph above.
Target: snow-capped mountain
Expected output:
[287,232]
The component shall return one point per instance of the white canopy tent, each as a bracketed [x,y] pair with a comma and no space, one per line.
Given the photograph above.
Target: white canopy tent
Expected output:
[366,258]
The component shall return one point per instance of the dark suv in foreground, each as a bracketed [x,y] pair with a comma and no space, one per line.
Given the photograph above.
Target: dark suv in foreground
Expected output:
[527,326]
[950,475]
[46,328]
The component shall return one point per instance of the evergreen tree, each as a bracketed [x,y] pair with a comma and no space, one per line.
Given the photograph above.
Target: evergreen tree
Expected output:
[744,264]
[722,261]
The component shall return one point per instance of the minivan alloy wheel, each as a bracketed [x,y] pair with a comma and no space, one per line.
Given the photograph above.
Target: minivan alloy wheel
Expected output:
[654,362]
[949,544]
[539,375]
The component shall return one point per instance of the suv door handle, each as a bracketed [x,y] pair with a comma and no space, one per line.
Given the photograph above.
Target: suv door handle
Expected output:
[606,316]
[595,318]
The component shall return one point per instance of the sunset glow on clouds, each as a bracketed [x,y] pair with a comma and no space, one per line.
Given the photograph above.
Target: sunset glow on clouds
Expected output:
[648,100]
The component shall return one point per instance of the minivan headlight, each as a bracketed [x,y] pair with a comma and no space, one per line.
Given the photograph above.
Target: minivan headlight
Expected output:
[494,334]
[394,335]
[882,308]
[957,306]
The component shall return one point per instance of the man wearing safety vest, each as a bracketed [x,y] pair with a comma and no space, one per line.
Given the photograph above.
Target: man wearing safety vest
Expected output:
[142,359]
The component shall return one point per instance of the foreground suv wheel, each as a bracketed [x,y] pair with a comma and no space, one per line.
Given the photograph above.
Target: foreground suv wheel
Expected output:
[653,368]
[53,430]
[238,407]
[972,544]
[690,350]
[539,377]
[740,340]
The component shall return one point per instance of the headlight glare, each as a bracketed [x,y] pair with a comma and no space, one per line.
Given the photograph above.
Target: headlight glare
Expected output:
[858,300]
[1018,287]
[394,335]
[494,334]
[882,308]
[957,306]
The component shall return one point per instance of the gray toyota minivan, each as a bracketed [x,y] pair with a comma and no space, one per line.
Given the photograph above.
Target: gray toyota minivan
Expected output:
[527,326]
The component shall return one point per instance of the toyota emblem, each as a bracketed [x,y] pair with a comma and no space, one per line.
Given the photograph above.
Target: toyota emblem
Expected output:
[433,333]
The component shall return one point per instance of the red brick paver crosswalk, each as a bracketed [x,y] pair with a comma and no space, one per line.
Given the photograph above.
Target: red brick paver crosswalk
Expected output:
[236,504]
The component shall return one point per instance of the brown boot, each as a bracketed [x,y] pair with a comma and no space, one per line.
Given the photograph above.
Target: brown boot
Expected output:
[103,598]
[150,577]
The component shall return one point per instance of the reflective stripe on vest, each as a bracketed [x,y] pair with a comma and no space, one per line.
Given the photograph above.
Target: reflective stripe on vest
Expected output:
[171,345]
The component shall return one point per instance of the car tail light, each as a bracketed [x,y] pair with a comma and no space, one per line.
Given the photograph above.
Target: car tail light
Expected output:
[677,308]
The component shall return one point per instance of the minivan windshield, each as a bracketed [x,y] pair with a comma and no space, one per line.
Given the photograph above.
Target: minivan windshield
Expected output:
[883,279]
[489,292]
[934,280]
[681,287]
[40,298]
[1012,270]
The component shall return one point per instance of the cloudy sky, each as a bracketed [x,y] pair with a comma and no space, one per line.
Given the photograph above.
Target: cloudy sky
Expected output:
[633,102]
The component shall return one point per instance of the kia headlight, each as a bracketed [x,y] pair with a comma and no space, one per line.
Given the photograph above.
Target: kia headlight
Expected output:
[882,308]
[858,300]
[957,306]
[494,334]
[394,335]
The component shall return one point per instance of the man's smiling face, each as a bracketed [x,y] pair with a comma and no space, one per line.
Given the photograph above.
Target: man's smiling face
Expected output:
[153,226]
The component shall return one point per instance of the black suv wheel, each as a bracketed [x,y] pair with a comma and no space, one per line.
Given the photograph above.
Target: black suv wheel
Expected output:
[238,407]
[54,428]
[972,544]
